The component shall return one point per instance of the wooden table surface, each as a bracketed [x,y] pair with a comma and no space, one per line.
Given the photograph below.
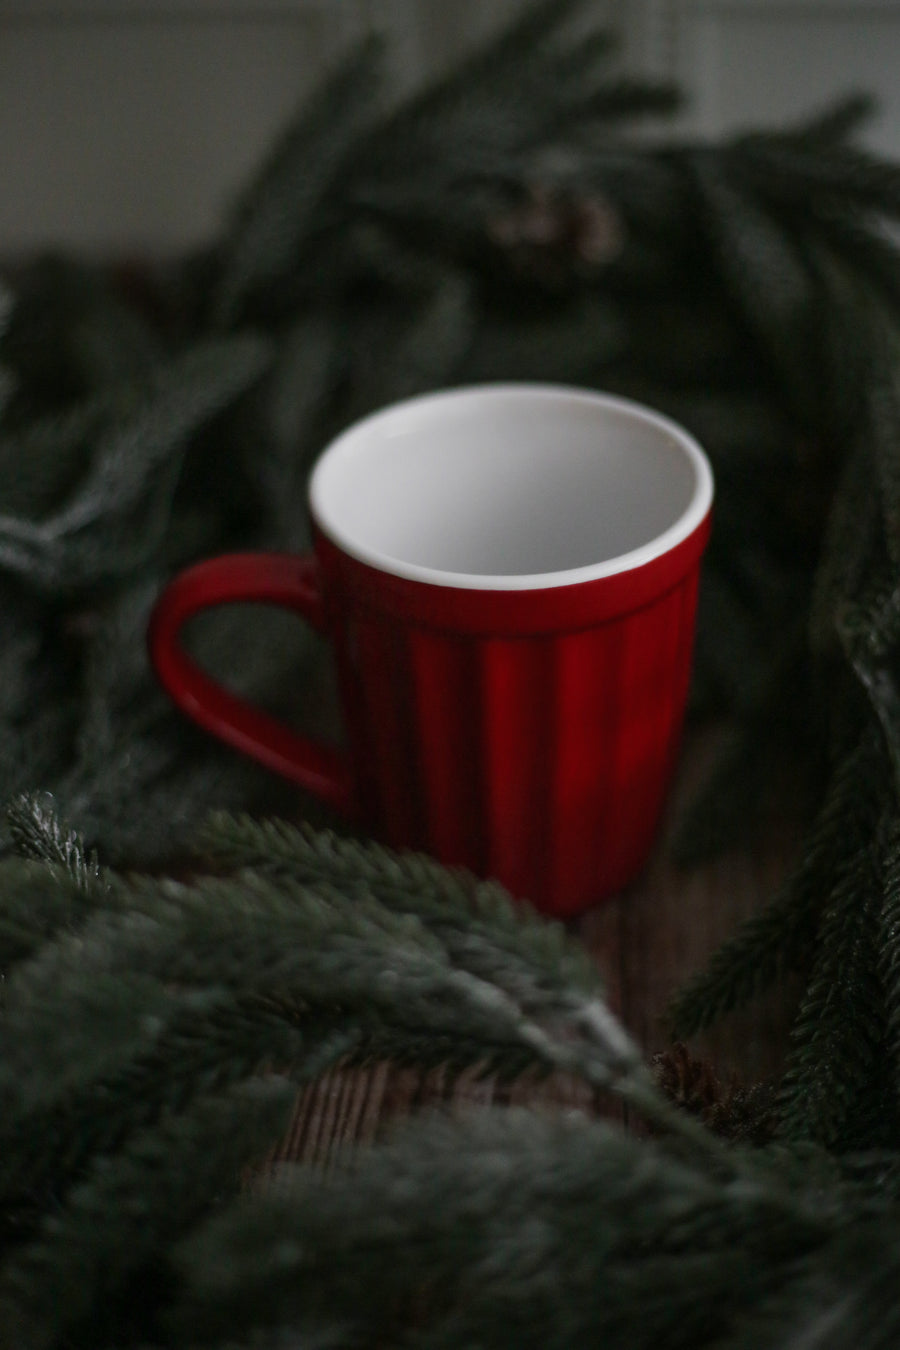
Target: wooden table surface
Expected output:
[646,942]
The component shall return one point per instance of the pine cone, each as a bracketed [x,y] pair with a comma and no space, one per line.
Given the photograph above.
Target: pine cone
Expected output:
[739,1114]
[552,230]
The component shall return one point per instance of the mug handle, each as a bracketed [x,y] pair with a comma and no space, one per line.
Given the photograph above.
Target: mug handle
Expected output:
[284,579]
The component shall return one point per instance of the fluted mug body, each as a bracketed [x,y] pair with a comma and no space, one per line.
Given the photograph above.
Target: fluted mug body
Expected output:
[509,576]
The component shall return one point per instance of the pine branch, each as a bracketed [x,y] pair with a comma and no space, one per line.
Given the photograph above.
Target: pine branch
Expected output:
[842,261]
[838,1040]
[783,935]
[305,372]
[388,974]
[60,1030]
[451,903]
[129,486]
[841,1296]
[888,945]
[42,460]
[730,656]
[767,275]
[207,1042]
[37,833]
[851,539]
[120,703]
[353,952]
[454,1053]
[542,32]
[507,1230]
[123,1216]
[838,121]
[741,795]
[416,349]
[625,97]
[36,901]
[483,936]
[132,1010]
[174,772]
[570,342]
[37,750]
[824,174]
[72,336]
[303,950]
[869,631]
[7,379]
[874,1174]
[446,155]
[864,248]
[284,202]
[879,410]
[20,653]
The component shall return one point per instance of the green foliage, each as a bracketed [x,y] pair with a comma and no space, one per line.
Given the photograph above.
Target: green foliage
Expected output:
[446,156]
[129,1028]
[409,884]
[783,936]
[509,1231]
[127,1207]
[288,199]
[36,833]
[839,1035]
[38,900]
[155,1031]
[114,519]
[138,1044]
[768,276]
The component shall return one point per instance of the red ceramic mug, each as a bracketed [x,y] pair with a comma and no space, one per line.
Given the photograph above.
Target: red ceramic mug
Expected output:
[508,575]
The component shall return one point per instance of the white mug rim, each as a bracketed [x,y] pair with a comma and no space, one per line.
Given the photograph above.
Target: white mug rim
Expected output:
[681,528]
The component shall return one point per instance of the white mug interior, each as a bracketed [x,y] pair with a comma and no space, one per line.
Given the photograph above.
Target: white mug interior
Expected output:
[512,486]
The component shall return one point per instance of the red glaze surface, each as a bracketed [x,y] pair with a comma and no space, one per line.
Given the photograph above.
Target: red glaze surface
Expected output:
[269,578]
[528,735]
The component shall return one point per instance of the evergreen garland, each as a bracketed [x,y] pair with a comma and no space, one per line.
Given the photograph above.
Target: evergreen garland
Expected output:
[155,1028]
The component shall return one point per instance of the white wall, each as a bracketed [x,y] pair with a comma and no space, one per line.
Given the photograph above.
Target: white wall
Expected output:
[765,62]
[129,123]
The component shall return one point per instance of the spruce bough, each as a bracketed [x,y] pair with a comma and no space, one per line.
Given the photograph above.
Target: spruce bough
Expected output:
[158,1021]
